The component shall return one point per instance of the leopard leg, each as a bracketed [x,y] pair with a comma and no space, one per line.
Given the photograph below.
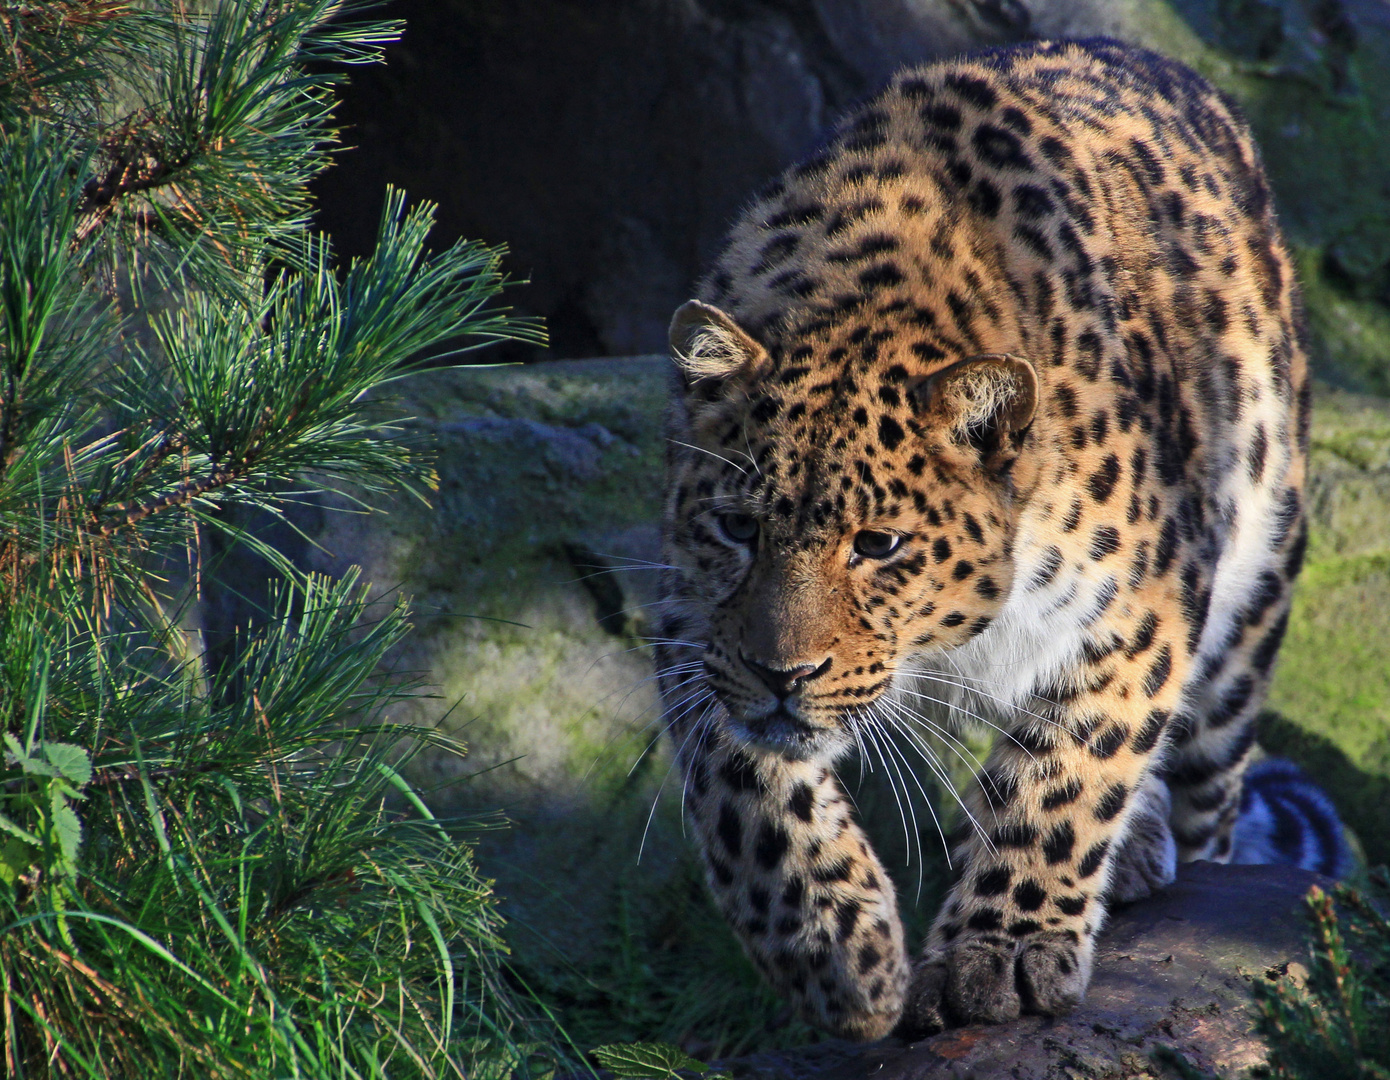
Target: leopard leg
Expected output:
[1017,933]
[1147,860]
[1213,742]
[800,885]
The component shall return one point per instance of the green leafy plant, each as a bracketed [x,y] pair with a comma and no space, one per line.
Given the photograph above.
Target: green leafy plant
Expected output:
[1334,1024]
[211,866]
[650,1061]
[42,780]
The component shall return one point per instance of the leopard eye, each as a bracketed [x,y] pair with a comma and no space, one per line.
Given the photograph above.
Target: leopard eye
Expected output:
[872,544]
[740,528]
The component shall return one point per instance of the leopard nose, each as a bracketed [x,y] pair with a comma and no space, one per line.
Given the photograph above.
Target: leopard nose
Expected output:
[785,681]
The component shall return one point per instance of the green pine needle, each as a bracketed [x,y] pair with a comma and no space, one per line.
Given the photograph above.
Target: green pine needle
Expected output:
[213,868]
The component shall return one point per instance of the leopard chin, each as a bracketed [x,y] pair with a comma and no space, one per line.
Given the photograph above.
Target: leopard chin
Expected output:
[787,735]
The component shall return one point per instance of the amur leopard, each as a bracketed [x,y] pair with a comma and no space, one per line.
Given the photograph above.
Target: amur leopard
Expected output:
[1000,400]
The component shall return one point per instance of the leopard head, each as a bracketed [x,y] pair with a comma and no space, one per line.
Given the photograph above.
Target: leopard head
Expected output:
[834,512]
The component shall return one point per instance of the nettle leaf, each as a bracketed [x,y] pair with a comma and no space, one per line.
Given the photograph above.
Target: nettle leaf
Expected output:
[30,766]
[72,761]
[647,1061]
[14,753]
[67,829]
[10,826]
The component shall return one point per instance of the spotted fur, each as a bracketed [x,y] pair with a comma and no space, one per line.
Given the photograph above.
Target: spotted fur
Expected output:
[1286,818]
[998,400]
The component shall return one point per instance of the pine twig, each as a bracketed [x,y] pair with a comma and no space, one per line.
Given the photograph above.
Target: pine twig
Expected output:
[219,476]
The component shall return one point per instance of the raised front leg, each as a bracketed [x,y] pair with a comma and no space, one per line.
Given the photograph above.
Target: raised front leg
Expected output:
[798,882]
[1017,932]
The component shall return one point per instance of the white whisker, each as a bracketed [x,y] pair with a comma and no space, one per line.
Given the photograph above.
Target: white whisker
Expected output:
[892,763]
[929,757]
[859,742]
[917,835]
[976,679]
[694,673]
[945,680]
[630,562]
[938,770]
[871,737]
[972,715]
[596,571]
[678,669]
[749,454]
[954,743]
[711,453]
[675,758]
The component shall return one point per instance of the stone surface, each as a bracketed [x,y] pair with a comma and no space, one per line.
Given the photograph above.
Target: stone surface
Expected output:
[530,571]
[1172,978]
[610,142]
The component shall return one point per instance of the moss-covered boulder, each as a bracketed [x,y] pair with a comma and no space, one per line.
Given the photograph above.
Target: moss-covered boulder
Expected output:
[530,569]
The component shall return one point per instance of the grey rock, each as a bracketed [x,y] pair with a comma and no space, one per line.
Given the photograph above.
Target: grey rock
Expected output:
[1172,982]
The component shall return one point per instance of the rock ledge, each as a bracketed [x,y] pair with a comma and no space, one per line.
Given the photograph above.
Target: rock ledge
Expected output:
[1172,985]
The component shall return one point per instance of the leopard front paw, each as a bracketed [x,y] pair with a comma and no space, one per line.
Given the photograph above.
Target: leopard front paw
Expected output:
[1052,974]
[1147,859]
[991,980]
[973,981]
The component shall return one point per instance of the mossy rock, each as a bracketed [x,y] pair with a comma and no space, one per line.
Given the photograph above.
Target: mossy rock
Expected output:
[528,570]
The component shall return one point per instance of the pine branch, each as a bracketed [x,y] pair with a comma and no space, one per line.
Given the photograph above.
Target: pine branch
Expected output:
[59,14]
[252,896]
[169,444]
[9,415]
[42,44]
[217,477]
[138,166]
[125,774]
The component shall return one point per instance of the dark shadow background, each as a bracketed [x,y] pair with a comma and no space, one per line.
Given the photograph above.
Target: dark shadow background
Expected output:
[609,143]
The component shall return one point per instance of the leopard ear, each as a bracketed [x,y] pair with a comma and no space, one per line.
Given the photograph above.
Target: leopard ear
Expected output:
[707,344]
[985,402]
